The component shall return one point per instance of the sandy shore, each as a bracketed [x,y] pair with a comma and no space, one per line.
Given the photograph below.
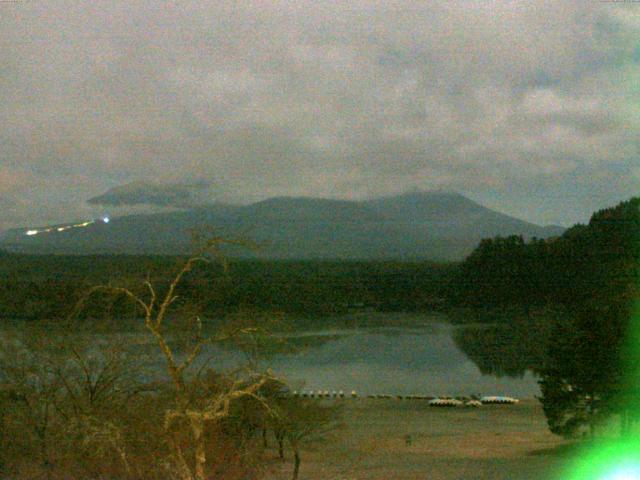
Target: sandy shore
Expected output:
[407,439]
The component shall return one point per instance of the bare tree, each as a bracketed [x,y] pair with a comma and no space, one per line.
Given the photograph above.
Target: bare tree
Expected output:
[195,415]
[61,397]
[300,421]
[99,380]
[31,387]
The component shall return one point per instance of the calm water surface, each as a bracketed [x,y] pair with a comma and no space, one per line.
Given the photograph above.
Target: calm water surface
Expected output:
[423,360]
[404,360]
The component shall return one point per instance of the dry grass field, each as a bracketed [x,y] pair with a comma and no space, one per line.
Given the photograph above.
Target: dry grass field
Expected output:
[407,439]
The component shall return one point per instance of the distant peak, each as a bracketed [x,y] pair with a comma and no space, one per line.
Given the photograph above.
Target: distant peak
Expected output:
[418,193]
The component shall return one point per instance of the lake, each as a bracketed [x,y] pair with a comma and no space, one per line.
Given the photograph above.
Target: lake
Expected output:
[423,356]
[422,360]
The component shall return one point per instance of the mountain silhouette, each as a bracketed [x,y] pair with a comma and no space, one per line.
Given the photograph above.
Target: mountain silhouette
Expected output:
[437,226]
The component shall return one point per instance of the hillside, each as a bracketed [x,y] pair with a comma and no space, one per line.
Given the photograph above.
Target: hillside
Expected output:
[598,260]
[431,225]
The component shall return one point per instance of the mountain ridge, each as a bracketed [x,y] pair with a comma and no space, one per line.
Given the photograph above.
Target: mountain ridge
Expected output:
[425,225]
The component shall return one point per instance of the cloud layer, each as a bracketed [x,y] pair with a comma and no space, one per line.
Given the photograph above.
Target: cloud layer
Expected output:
[180,195]
[529,107]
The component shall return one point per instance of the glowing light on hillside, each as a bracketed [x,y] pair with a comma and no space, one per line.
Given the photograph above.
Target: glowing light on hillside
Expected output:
[64,227]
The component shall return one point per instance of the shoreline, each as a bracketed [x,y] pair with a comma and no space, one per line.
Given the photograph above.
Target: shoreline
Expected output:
[409,440]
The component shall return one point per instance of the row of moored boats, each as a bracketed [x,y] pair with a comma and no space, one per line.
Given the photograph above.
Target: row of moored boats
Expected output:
[433,401]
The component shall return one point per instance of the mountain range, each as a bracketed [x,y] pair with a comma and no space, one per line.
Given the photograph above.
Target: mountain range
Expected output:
[424,225]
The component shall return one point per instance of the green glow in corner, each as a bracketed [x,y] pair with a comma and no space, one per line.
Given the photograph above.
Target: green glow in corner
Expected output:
[615,459]
[610,461]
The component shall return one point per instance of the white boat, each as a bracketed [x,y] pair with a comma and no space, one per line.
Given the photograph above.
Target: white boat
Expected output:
[444,402]
[497,399]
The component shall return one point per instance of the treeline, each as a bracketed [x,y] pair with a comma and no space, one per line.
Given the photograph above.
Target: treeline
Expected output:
[586,282]
[48,287]
[595,260]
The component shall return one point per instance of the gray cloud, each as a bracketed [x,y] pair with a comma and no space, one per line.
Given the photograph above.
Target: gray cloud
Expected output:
[145,193]
[505,101]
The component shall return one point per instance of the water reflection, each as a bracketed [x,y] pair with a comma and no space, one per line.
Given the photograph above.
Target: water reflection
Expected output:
[433,359]
[503,350]
[439,359]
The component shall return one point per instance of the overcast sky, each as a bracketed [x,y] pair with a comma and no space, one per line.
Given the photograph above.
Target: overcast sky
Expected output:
[530,107]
